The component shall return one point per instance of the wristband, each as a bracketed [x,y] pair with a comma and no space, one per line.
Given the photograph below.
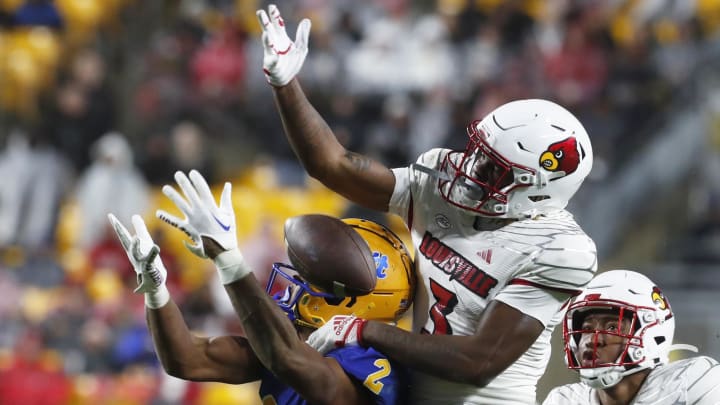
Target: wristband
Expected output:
[231,266]
[361,323]
[157,299]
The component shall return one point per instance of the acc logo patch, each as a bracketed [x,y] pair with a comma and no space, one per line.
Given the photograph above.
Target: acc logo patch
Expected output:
[561,156]
[442,221]
[659,299]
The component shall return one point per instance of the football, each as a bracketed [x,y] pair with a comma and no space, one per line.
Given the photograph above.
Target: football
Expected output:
[329,254]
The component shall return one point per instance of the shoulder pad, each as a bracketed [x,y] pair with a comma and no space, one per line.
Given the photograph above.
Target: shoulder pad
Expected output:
[566,250]
[432,158]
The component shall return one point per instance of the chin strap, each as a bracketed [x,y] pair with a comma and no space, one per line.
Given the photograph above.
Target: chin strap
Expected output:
[602,378]
[606,378]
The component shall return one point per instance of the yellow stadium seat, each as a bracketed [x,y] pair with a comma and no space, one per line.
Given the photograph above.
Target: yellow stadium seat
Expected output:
[245,15]
[42,43]
[105,287]
[248,210]
[68,226]
[36,304]
[82,18]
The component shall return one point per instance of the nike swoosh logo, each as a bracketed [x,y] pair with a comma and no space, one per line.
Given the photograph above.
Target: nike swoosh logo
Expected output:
[223,226]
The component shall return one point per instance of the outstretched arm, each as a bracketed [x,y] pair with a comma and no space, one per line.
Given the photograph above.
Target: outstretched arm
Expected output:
[226,359]
[184,355]
[354,176]
[503,335]
[269,332]
[277,344]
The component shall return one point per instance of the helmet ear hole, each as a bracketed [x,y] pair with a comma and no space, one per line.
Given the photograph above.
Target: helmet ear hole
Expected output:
[334,301]
[537,198]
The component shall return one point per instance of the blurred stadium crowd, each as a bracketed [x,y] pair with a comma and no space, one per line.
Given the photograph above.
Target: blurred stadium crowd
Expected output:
[101,101]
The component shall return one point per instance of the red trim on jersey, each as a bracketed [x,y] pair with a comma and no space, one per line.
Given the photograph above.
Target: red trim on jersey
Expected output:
[520,281]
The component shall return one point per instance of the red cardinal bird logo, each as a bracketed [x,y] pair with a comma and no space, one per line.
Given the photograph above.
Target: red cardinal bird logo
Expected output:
[659,299]
[561,156]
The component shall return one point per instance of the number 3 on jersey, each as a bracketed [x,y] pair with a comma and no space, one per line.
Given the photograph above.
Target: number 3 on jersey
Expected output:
[445,301]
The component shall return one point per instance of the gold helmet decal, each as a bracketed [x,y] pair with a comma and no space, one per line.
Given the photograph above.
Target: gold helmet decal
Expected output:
[659,299]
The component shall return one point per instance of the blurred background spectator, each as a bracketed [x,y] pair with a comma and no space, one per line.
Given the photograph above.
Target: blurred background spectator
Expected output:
[102,101]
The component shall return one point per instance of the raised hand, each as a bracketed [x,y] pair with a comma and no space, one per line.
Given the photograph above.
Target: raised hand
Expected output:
[339,331]
[283,58]
[144,255]
[205,219]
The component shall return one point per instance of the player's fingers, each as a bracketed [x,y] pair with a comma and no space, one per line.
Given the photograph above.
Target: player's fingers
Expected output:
[263,19]
[226,197]
[202,187]
[135,249]
[141,231]
[174,221]
[176,198]
[122,233]
[268,50]
[270,57]
[150,260]
[312,341]
[277,21]
[138,254]
[303,34]
[270,35]
[196,249]
[187,188]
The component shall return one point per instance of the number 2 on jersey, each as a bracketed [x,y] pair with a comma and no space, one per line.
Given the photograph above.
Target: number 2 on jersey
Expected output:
[445,301]
[373,381]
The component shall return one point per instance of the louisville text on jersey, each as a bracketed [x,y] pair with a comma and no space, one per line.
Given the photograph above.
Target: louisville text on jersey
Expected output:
[456,266]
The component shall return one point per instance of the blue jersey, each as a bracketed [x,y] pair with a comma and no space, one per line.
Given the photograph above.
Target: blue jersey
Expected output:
[385,381]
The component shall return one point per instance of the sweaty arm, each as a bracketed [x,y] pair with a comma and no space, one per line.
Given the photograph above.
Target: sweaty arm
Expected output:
[227,359]
[182,354]
[354,176]
[504,333]
[318,379]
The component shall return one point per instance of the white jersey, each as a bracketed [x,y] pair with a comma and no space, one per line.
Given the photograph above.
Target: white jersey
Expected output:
[694,381]
[532,265]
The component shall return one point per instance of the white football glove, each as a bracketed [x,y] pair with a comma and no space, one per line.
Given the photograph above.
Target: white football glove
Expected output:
[145,259]
[339,331]
[283,58]
[203,217]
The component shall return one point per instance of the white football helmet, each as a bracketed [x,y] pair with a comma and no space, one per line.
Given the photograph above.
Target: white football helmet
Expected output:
[652,325]
[525,158]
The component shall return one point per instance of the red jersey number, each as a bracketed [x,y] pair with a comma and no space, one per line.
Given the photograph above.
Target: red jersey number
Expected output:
[445,301]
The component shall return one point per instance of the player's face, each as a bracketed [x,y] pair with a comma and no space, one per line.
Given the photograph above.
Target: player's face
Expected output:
[595,348]
[488,172]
